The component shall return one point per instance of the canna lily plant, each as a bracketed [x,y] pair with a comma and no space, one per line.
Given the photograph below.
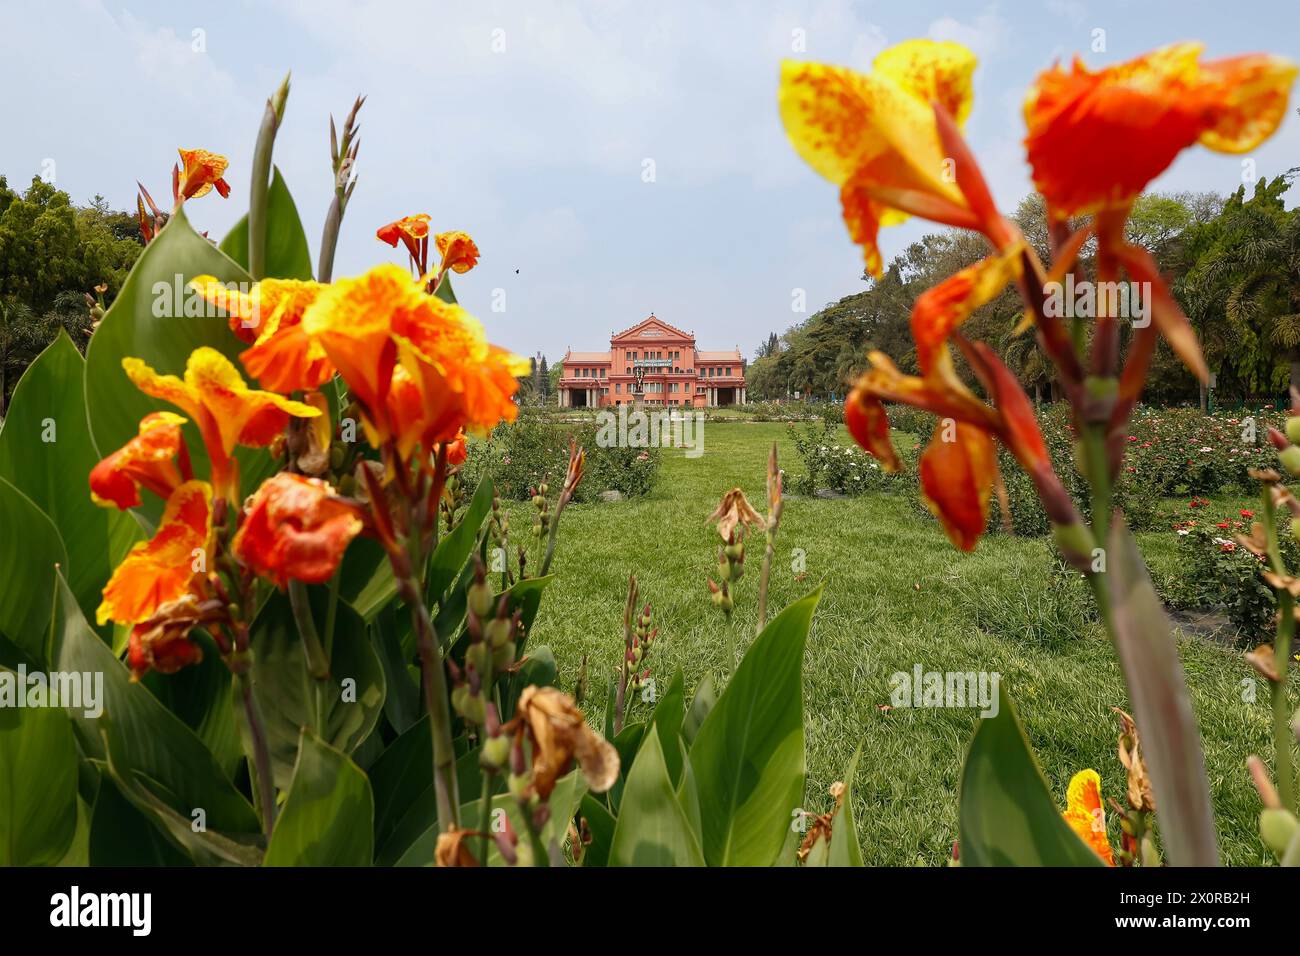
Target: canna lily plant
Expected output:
[272,557]
[891,140]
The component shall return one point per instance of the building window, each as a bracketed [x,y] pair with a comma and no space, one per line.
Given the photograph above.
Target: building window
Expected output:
[618,388]
[602,373]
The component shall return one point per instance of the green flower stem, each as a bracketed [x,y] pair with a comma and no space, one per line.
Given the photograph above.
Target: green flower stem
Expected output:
[329,240]
[433,680]
[768,553]
[259,191]
[318,664]
[263,781]
[485,815]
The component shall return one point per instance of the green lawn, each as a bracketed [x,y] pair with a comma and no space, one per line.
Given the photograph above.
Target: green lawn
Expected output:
[896,594]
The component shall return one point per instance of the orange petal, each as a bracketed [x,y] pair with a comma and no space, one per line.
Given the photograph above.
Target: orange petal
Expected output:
[244,416]
[201,170]
[294,527]
[458,252]
[160,570]
[1086,815]
[943,308]
[867,422]
[149,459]
[1249,96]
[958,469]
[1156,105]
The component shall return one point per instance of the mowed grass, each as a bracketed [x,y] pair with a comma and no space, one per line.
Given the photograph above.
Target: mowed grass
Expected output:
[896,594]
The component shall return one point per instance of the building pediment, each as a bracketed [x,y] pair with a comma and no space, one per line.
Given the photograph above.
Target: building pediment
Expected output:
[651,328]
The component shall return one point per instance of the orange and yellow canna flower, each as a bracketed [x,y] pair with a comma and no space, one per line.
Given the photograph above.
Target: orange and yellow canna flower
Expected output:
[156,458]
[282,358]
[227,412]
[413,233]
[165,567]
[1086,815]
[421,369]
[457,451]
[200,171]
[1097,138]
[458,252]
[874,135]
[295,527]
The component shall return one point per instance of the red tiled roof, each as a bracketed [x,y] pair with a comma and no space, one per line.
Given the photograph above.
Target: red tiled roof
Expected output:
[586,357]
[731,356]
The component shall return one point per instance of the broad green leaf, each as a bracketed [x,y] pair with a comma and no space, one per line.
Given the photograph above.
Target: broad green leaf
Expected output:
[328,817]
[342,710]
[455,548]
[600,826]
[78,851]
[30,548]
[667,719]
[38,780]
[402,704]
[445,291]
[845,850]
[149,739]
[627,742]
[46,452]
[1006,814]
[1162,706]
[121,835]
[366,580]
[207,847]
[703,701]
[158,319]
[405,802]
[537,668]
[652,827]
[200,696]
[287,253]
[748,757]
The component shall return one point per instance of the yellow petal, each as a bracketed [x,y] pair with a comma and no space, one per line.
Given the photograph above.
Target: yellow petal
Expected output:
[932,70]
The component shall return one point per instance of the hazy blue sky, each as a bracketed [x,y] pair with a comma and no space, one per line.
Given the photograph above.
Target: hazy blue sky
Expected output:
[538,149]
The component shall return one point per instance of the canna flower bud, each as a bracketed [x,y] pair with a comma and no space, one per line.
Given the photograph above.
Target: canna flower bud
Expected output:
[1293,429]
[1277,828]
[1290,458]
[479,599]
[495,752]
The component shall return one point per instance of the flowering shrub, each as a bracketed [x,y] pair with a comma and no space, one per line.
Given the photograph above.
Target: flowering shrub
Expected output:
[1215,571]
[521,456]
[845,469]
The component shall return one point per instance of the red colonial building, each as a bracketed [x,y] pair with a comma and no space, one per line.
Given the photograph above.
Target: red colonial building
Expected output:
[655,363]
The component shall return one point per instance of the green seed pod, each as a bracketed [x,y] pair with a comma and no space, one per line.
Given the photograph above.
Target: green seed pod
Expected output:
[477,656]
[479,599]
[538,501]
[1276,828]
[503,656]
[518,785]
[470,706]
[497,632]
[1290,458]
[1293,429]
[495,752]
